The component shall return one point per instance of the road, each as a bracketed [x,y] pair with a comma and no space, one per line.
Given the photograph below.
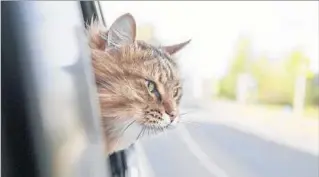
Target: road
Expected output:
[214,150]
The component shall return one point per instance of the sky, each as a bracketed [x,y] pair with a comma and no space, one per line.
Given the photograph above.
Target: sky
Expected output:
[274,28]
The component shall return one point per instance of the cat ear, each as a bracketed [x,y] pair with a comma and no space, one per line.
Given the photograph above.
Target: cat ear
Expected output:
[122,31]
[172,49]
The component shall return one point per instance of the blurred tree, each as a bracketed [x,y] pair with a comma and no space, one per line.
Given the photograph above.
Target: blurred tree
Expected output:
[312,91]
[274,85]
[297,64]
[239,65]
[275,79]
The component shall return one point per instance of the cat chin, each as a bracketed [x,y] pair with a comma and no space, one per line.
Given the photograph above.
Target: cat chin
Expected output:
[134,133]
[122,140]
[131,136]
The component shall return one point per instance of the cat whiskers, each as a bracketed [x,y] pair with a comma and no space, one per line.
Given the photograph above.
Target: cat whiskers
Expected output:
[123,131]
[150,129]
[157,130]
[182,114]
[154,129]
[188,122]
[141,133]
[185,113]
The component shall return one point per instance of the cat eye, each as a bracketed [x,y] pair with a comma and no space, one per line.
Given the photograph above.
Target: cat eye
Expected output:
[152,88]
[175,93]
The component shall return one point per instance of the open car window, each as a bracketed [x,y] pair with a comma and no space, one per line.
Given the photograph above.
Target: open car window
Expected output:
[50,116]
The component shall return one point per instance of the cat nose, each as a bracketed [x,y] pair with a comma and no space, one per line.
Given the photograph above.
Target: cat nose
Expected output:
[172,115]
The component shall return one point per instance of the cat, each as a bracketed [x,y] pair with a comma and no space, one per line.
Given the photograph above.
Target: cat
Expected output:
[138,84]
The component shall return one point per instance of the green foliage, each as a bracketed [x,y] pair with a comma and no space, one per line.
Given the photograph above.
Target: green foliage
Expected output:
[312,91]
[239,65]
[227,87]
[275,84]
[275,79]
[240,62]
[297,63]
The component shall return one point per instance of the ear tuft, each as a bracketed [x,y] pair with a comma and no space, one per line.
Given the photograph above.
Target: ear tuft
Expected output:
[172,49]
[122,31]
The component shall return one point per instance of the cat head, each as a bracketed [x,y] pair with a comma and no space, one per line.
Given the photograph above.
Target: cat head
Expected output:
[137,82]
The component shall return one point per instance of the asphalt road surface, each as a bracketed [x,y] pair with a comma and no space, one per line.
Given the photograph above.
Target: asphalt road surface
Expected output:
[212,150]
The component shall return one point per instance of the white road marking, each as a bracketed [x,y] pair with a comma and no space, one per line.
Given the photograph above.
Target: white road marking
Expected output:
[213,168]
